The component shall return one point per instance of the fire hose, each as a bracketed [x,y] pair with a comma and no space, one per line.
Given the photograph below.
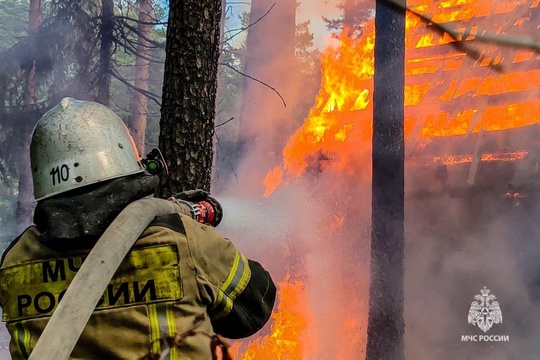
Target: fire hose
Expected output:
[68,321]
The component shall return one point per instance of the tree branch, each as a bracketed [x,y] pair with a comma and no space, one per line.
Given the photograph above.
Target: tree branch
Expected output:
[461,43]
[128,47]
[123,17]
[136,31]
[257,80]
[225,122]
[146,93]
[240,30]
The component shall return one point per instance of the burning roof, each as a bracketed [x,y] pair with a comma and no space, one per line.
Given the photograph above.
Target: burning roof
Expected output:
[453,89]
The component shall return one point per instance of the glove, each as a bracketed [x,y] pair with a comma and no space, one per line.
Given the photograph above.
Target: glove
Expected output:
[187,199]
[191,195]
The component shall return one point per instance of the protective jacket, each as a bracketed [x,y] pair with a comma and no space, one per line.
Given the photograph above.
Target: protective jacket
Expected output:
[180,276]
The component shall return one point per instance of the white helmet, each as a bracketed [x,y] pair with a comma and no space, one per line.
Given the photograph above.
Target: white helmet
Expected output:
[78,143]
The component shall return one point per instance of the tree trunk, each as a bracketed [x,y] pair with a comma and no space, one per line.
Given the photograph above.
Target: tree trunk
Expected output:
[139,101]
[218,90]
[270,55]
[386,323]
[189,94]
[3,89]
[105,52]
[34,20]
[21,166]
[25,198]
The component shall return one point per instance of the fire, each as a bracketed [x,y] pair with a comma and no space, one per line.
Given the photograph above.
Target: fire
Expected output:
[272,181]
[346,69]
[461,159]
[289,322]
[438,102]
[447,94]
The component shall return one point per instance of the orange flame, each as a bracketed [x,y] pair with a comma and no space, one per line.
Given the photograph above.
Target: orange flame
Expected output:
[272,181]
[289,322]
[446,92]
[347,69]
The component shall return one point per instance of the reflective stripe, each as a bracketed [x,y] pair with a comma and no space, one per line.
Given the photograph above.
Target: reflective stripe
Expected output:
[162,321]
[235,283]
[22,339]
[171,323]
[167,325]
[155,334]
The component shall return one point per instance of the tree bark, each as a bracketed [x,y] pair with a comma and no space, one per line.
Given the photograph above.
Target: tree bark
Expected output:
[386,324]
[105,52]
[189,94]
[138,106]
[215,169]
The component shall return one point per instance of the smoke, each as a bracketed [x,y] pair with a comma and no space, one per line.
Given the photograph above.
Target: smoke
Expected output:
[304,231]
[317,228]
[455,248]
[297,233]
[313,11]
[314,229]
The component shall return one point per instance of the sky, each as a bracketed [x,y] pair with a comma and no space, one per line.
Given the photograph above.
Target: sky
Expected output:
[312,10]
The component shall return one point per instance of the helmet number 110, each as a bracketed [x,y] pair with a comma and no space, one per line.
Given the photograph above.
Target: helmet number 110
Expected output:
[59,174]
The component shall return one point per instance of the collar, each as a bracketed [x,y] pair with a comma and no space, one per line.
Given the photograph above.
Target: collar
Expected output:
[84,214]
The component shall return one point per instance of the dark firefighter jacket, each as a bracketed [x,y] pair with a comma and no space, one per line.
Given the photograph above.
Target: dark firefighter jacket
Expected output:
[181,275]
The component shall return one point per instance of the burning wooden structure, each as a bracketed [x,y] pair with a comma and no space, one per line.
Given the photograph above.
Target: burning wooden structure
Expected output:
[478,112]
[471,122]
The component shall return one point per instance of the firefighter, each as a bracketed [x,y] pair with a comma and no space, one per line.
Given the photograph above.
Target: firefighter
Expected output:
[180,275]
